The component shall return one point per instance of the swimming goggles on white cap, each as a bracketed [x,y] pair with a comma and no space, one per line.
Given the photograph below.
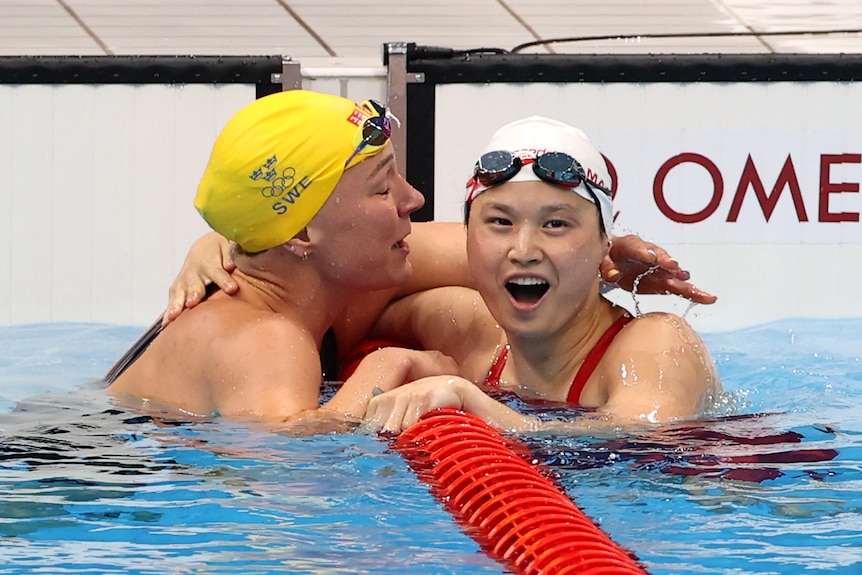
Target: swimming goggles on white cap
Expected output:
[494,168]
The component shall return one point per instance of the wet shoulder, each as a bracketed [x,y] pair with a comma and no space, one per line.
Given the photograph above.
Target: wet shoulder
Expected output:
[657,330]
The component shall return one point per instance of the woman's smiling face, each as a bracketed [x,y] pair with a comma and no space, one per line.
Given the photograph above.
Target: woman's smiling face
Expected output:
[534,250]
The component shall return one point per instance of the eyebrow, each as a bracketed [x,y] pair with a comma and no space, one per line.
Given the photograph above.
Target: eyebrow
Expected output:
[543,210]
[383,163]
[561,208]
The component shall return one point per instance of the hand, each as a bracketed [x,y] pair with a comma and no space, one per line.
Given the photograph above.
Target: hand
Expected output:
[398,409]
[208,261]
[632,259]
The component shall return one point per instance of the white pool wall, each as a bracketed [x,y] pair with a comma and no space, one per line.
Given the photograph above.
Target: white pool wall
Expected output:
[97,182]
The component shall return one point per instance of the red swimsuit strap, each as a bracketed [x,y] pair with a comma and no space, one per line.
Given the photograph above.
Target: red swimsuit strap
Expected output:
[584,373]
[496,370]
[593,358]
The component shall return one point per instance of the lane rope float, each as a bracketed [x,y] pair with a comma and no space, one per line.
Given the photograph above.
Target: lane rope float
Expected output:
[515,513]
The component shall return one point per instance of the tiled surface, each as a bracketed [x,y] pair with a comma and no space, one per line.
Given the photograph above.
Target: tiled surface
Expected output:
[358,29]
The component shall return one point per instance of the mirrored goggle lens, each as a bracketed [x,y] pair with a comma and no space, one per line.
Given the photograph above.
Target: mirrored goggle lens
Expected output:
[376,131]
[495,167]
[559,168]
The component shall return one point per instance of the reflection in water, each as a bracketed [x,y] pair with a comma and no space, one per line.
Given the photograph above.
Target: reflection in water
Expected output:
[769,484]
[56,450]
[741,448]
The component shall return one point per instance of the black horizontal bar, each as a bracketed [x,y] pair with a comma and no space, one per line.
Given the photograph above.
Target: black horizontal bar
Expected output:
[138,69]
[468,68]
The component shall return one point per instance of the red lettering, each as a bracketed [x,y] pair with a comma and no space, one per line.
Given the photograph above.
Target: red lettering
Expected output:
[612,172]
[658,188]
[827,187]
[750,178]
[787,178]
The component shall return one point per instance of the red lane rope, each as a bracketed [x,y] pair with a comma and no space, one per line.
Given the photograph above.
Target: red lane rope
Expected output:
[505,503]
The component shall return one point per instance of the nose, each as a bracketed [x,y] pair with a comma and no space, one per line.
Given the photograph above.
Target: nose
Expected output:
[525,250]
[410,198]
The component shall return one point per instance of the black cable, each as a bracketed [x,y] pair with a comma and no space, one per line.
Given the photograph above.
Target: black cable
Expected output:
[441,53]
[520,47]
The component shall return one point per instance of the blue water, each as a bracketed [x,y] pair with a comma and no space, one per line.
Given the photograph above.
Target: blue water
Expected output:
[770,484]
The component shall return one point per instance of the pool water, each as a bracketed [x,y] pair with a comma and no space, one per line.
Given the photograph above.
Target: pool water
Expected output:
[770,483]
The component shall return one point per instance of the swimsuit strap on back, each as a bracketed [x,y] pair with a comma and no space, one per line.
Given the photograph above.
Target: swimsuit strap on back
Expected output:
[140,346]
[593,359]
[134,352]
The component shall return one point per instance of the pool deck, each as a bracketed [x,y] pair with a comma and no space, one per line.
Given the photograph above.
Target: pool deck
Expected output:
[312,29]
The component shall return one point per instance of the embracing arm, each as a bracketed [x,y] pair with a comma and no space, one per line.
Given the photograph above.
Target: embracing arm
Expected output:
[384,370]
[454,320]
[439,258]
[438,252]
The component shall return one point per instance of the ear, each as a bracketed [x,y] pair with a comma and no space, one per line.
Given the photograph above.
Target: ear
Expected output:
[609,242]
[299,244]
[608,270]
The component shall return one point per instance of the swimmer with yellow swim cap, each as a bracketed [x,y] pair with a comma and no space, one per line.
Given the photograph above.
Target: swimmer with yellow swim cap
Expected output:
[278,160]
[306,185]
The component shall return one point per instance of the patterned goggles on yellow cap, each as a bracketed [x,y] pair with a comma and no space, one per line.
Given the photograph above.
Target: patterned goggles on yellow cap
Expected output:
[374,132]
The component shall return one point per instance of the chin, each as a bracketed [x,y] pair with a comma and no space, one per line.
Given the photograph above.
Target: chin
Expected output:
[393,278]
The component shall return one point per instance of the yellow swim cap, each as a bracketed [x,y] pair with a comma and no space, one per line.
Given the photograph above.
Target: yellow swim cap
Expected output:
[277,161]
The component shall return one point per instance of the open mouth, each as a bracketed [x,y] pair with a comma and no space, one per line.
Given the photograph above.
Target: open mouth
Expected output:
[527,290]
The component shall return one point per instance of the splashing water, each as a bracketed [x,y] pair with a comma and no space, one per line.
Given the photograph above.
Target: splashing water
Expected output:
[636,283]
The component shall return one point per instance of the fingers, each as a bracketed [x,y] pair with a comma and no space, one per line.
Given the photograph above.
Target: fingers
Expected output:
[649,269]
[399,408]
[171,313]
[222,279]
[662,259]
[227,258]
[395,413]
[182,296]
[693,293]
[608,270]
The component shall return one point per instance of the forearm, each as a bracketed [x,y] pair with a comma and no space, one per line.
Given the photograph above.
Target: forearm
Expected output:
[438,252]
[380,370]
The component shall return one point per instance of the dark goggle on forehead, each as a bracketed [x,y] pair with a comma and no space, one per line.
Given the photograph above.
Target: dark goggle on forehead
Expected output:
[559,168]
[374,132]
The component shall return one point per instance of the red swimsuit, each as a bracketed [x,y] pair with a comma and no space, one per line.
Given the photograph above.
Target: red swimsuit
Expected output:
[584,373]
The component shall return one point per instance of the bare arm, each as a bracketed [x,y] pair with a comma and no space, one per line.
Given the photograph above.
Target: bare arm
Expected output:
[658,370]
[384,370]
[439,258]
[259,381]
[451,319]
[439,255]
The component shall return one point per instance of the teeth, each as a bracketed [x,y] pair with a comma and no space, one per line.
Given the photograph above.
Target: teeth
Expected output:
[528,281]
